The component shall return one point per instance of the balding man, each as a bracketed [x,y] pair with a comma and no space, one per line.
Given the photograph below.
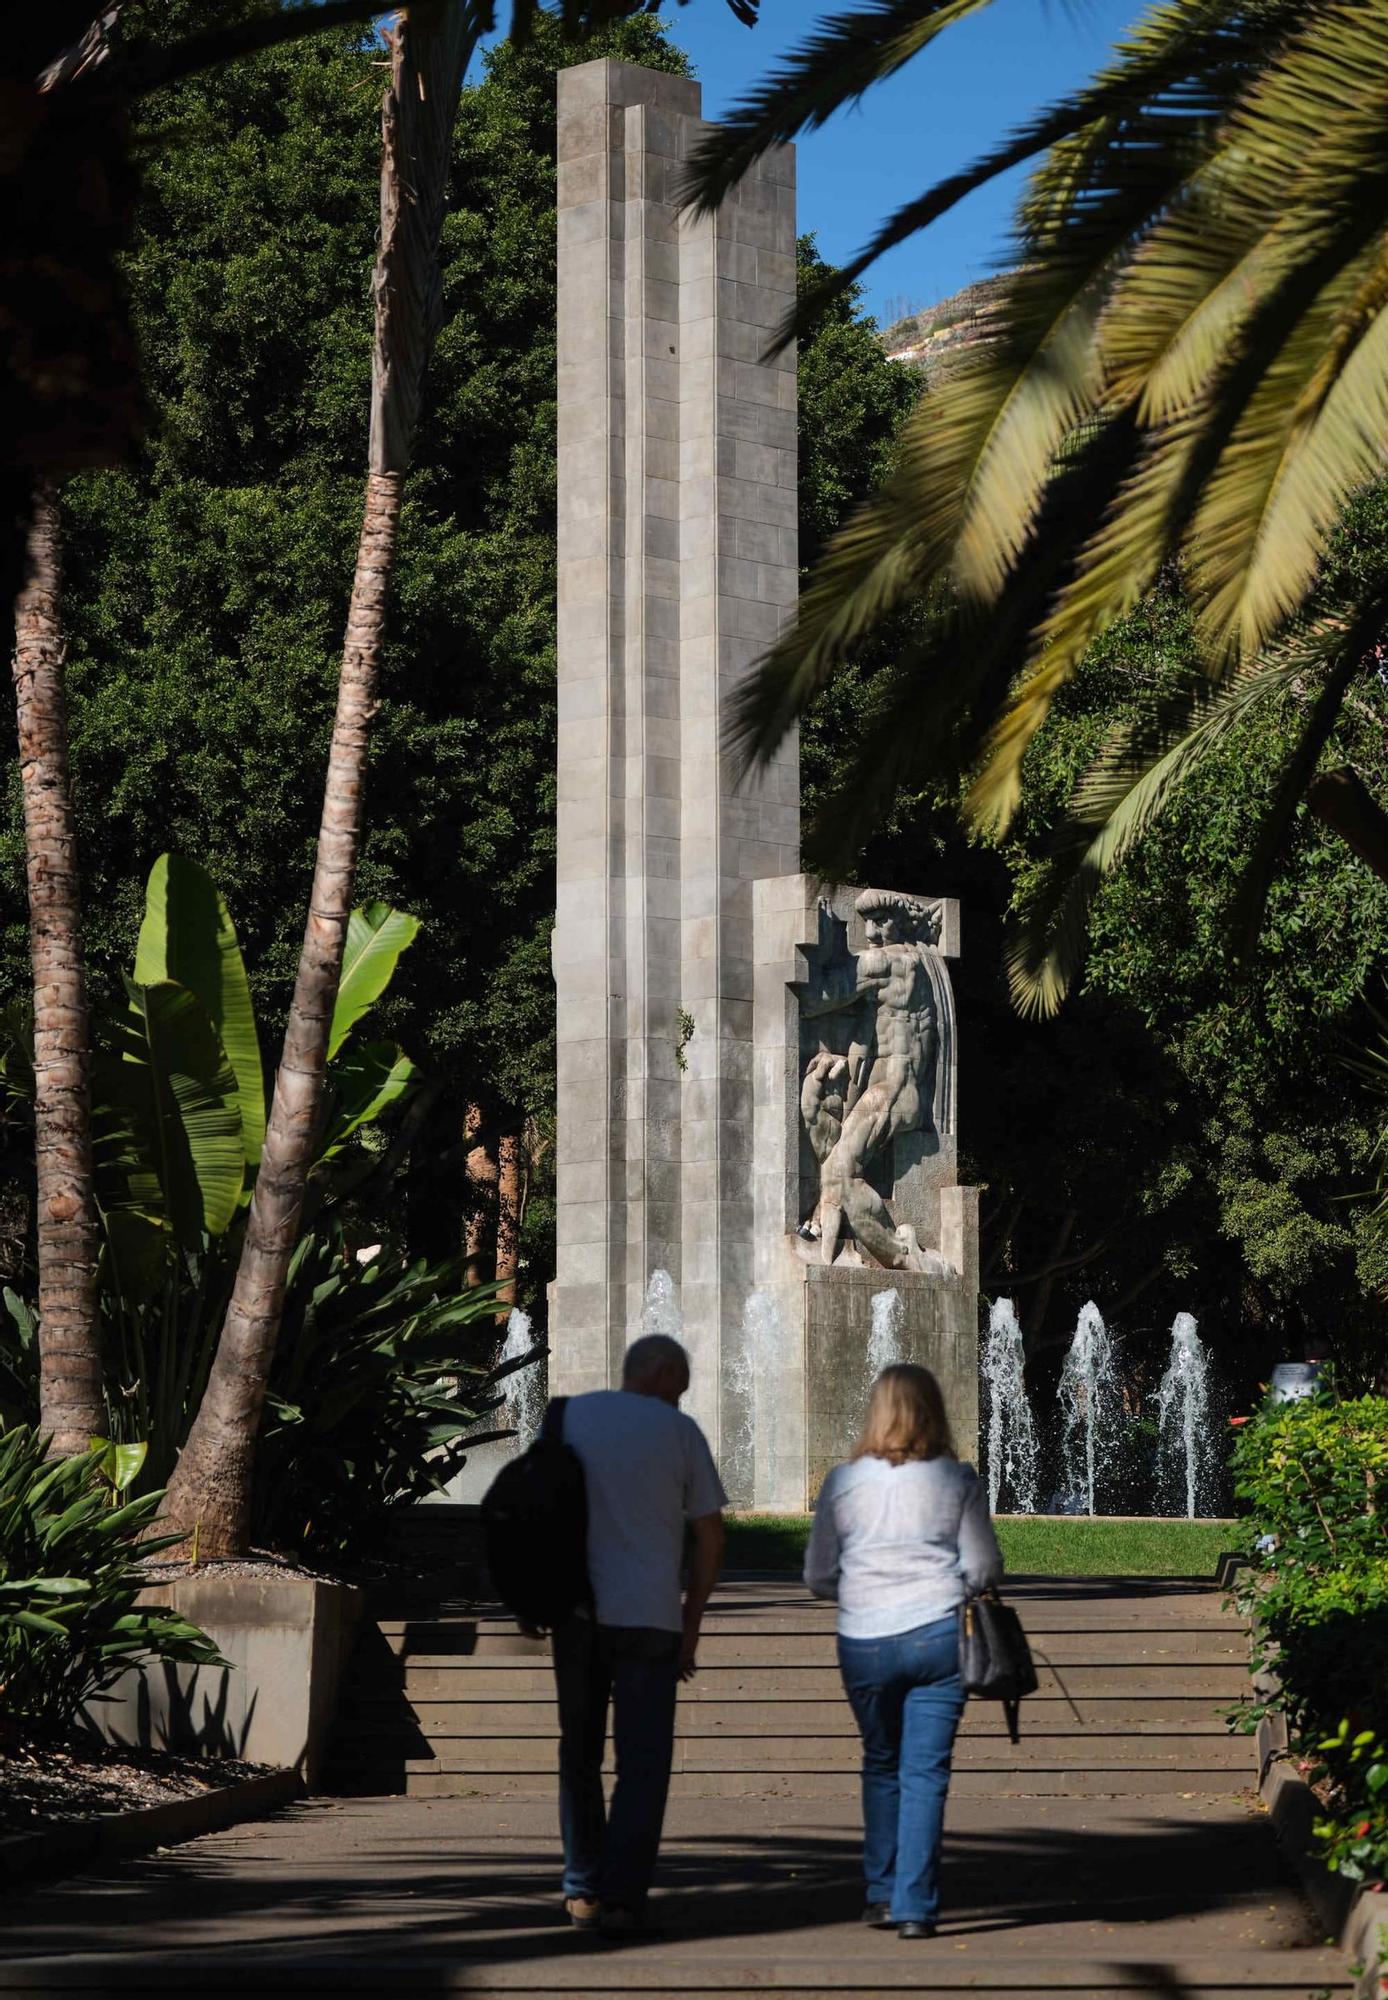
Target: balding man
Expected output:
[650,1475]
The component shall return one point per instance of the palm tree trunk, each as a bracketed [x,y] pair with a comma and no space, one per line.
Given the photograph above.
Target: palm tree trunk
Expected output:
[210,1492]
[508,1219]
[71,1409]
[211,1485]
[481,1184]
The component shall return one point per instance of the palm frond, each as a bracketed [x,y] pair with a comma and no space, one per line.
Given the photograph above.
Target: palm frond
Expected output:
[1122,794]
[1297,773]
[1144,763]
[842,57]
[1154,511]
[829,71]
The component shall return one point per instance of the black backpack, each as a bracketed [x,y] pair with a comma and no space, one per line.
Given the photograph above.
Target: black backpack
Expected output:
[535,1520]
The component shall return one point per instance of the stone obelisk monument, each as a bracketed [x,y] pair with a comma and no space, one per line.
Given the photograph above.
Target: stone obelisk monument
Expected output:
[683,922]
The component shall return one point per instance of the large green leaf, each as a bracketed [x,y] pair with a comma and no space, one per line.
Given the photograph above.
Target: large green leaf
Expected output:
[188,937]
[365,1081]
[182,1096]
[376,936]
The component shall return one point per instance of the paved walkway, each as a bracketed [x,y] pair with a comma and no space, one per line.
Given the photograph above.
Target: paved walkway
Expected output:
[1167,1886]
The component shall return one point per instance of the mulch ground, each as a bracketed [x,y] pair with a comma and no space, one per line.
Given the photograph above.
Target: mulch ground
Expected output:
[46,1784]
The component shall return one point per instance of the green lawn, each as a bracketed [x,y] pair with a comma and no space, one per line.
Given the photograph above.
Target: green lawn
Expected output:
[1035,1548]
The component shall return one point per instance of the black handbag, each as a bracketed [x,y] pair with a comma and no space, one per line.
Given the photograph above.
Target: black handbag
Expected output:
[994,1658]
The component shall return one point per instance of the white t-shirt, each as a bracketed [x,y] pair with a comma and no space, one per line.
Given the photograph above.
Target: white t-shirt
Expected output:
[648,1470]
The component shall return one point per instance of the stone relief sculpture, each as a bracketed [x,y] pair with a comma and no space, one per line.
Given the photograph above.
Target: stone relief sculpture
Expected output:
[876,1028]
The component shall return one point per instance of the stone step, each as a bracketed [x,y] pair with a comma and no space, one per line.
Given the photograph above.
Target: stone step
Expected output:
[1064,1781]
[432,1679]
[753,1644]
[827,1753]
[708,1716]
[794,1605]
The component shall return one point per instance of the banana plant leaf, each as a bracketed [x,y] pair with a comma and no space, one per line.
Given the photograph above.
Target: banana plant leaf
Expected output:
[187,937]
[365,1082]
[181,1094]
[376,936]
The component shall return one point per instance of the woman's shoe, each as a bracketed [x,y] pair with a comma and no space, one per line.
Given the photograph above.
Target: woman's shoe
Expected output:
[911,1929]
[582,1913]
[878,1916]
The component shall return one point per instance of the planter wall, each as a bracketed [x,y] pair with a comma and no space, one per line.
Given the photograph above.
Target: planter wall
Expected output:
[288,1640]
[1355,1917]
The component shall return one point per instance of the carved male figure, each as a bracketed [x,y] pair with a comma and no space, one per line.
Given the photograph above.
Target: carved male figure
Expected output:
[854,1106]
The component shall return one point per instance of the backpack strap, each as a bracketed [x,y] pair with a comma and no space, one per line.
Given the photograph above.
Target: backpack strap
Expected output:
[552,1429]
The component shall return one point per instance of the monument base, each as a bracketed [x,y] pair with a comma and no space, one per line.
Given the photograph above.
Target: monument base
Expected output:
[936,1325]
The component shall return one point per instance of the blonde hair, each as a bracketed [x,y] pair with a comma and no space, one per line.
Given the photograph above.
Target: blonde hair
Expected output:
[906,1417]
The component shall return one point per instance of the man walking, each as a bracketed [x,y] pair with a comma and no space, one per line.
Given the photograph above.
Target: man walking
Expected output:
[649,1473]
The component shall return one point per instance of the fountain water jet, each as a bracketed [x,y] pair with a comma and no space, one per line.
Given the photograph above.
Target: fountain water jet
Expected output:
[1185,1445]
[754,1378]
[661,1312]
[1013,1455]
[884,1336]
[1089,1402]
[525,1389]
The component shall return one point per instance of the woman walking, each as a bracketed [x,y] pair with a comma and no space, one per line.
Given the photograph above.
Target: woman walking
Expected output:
[901,1536]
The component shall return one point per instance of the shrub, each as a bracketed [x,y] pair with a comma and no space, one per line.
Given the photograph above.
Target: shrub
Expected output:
[382,1370]
[69,1579]
[1314,1474]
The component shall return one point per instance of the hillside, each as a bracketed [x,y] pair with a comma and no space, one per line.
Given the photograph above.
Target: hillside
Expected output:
[927,339]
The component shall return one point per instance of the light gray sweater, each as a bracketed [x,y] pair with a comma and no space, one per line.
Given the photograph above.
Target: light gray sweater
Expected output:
[900,1545]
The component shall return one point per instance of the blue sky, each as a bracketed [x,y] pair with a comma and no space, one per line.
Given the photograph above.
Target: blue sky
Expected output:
[979,80]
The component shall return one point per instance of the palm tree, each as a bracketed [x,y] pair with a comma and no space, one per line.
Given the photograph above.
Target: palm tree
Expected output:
[71,1409]
[210,1492]
[1187,365]
[429,51]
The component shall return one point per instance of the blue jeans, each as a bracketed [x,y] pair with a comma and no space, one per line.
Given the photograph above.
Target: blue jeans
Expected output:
[907,1696]
[634,1667]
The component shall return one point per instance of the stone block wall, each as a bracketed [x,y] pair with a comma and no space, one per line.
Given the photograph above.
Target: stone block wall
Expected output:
[677,566]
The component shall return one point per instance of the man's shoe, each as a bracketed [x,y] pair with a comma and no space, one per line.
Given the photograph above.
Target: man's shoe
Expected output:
[911,1929]
[583,1912]
[617,1921]
[878,1916]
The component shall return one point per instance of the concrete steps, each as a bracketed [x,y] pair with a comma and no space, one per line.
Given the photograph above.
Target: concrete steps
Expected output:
[455,1703]
[1083,1866]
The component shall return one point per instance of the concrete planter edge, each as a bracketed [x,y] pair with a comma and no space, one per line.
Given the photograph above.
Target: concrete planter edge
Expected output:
[1357,1918]
[288,1640]
[52,1850]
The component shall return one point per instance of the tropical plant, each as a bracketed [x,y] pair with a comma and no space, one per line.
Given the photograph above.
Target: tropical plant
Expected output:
[70,1581]
[180,1122]
[19,1362]
[1184,365]
[383,1365]
[66,1222]
[383,1377]
[1312,1476]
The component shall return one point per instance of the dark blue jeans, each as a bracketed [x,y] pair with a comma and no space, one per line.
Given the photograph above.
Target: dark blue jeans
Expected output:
[634,1667]
[907,1696]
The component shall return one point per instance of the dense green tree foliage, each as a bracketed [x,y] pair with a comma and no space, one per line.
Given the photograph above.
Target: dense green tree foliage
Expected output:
[1185,1134]
[208,585]
[1174,1139]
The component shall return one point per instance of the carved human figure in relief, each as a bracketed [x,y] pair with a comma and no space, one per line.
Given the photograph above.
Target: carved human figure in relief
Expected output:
[855,1105]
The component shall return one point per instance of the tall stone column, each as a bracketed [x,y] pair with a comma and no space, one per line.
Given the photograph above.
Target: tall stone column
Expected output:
[677,565]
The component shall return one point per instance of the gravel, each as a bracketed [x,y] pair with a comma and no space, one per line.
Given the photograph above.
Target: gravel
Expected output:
[45,1785]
